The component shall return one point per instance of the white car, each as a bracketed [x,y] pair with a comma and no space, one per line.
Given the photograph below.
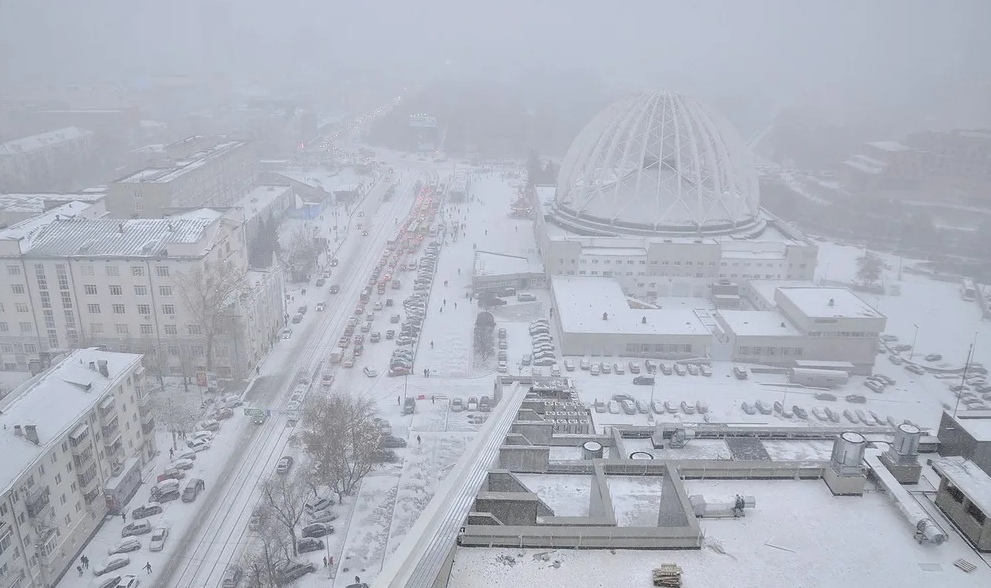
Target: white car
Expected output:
[203,435]
[348,363]
[158,537]
[114,562]
[503,367]
[377,306]
[569,365]
[370,372]
[585,364]
[128,581]
[320,306]
[198,444]
[185,454]
[125,545]
[183,464]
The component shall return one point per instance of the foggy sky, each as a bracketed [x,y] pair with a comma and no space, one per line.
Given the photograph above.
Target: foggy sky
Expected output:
[775,48]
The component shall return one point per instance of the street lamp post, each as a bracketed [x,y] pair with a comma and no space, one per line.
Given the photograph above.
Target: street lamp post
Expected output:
[911,352]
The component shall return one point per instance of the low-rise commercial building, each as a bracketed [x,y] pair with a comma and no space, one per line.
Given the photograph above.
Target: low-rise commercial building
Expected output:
[70,436]
[46,161]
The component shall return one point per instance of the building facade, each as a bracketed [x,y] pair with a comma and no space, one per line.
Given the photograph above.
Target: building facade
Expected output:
[46,161]
[69,435]
[199,172]
[132,286]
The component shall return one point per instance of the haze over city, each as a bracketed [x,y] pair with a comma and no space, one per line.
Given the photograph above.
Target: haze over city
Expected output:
[464,295]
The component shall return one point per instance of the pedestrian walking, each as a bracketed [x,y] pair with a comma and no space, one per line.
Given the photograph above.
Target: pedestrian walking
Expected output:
[418,441]
[455,306]
[431,344]
[398,400]
[442,310]
[325,561]
[147,567]
[85,561]
[123,515]
[80,570]
[432,399]
[445,299]
[171,453]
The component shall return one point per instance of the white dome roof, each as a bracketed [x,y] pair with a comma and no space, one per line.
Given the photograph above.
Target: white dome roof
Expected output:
[658,162]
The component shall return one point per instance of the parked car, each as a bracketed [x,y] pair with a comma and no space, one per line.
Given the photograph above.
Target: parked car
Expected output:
[680,369]
[183,464]
[605,368]
[308,544]
[231,577]
[127,581]
[502,367]
[210,425]
[114,562]
[193,488]
[317,530]
[915,369]
[472,404]
[594,369]
[146,510]
[457,404]
[390,442]
[644,380]
[585,364]
[618,369]
[370,372]
[323,516]
[317,505]
[158,537]
[136,528]
[375,337]
[292,570]
[634,367]
[284,464]
[222,414]
[198,444]
[569,365]
[526,359]
[126,545]
[934,357]
[484,405]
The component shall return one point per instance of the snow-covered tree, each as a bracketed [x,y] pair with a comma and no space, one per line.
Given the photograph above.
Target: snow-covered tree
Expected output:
[209,293]
[869,267]
[341,438]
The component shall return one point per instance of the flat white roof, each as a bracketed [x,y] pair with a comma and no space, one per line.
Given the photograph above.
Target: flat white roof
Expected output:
[54,401]
[182,166]
[758,323]
[816,302]
[766,288]
[501,264]
[342,181]
[979,428]
[42,140]
[798,534]
[974,482]
[260,198]
[580,302]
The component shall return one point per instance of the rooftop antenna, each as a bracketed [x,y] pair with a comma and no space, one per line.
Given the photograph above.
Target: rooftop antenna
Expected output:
[963,376]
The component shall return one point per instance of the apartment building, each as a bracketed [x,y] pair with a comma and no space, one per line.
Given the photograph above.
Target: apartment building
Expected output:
[133,286]
[46,161]
[74,439]
[199,171]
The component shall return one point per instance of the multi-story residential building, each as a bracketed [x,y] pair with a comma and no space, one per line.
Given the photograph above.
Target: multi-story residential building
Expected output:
[136,285]
[199,171]
[46,161]
[74,439]
[15,208]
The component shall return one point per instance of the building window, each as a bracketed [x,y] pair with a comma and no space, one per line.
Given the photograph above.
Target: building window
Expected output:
[221,351]
[196,350]
[954,493]
[93,308]
[976,513]
[90,289]
[173,350]
[137,271]
[13,270]
[25,327]
[745,350]
[144,309]
[141,290]
[119,309]
[96,328]
[87,270]
[4,327]
[195,329]
[165,290]
[162,271]
[21,307]
[121,329]
[171,330]
[168,309]
[113,271]
[17,288]
[146,329]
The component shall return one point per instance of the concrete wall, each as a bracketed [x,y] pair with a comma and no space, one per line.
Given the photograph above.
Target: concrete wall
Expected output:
[530,459]
[617,344]
[600,501]
[979,534]
[510,508]
[537,432]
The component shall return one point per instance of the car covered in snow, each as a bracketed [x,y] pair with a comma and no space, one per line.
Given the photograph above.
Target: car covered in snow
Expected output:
[125,545]
[158,537]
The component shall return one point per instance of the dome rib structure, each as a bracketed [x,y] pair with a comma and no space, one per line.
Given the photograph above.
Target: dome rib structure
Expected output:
[658,163]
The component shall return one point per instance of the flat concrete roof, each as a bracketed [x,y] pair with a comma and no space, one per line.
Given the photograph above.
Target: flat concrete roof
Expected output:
[816,302]
[580,303]
[758,323]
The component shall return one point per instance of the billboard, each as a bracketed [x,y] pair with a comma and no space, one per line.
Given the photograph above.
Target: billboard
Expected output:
[422,121]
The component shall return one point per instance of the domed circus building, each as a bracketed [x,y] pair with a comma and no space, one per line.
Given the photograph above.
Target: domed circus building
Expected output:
[661,193]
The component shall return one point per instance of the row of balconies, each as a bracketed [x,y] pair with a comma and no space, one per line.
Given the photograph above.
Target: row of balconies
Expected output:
[110,430]
[81,458]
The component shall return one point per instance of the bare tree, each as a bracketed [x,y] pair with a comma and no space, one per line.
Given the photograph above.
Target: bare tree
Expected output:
[284,497]
[261,565]
[300,251]
[341,437]
[869,267]
[174,414]
[210,293]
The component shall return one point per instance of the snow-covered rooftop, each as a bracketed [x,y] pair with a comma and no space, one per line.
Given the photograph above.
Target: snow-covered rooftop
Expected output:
[799,534]
[54,401]
[42,141]
[488,263]
[892,146]
[342,181]
[182,166]
[978,428]
[816,302]
[758,323]
[580,302]
[30,227]
[974,482]
[75,237]
[260,198]
[35,203]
